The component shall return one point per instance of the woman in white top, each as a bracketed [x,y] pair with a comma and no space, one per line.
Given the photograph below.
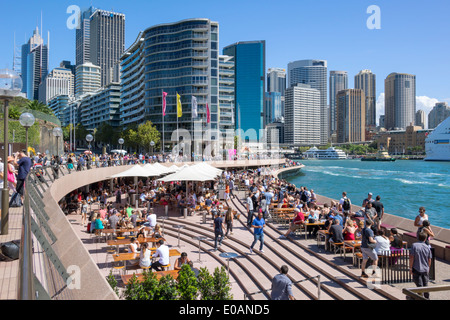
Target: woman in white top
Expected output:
[133,248]
[145,256]
[383,246]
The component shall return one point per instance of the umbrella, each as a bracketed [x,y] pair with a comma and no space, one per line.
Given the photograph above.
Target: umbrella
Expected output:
[153,171]
[135,171]
[204,167]
[119,151]
[88,152]
[162,168]
[189,174]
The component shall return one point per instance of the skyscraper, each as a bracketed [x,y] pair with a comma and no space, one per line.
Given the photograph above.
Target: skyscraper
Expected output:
[439,113]
[351,116]
[314,73]
[58,82]
[400,100]
[420,118]
[276,82]
[302,126]
[338,82]
[226,94]
[100,39]
[366,81]
[87,79]
[250,66]
[82,37]
[34,65]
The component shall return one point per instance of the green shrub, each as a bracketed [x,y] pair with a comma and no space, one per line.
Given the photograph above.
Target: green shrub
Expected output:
[187,283]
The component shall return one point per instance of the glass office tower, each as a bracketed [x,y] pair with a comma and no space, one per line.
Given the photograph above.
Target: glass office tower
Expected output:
[249,59]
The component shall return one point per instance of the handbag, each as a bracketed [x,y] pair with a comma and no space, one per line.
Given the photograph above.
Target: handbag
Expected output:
[11,177]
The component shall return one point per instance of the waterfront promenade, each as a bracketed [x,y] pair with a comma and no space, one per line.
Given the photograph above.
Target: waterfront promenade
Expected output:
[249,272]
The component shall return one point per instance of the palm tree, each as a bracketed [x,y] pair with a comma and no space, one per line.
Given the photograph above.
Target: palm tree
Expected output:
[39,106]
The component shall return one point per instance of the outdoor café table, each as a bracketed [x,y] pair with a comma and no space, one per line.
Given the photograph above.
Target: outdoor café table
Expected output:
[320,234]
[318,223]
[127,241]
[159,274]
[353,244]
[135,255]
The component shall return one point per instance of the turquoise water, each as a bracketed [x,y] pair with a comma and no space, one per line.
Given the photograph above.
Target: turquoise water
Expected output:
[403,185]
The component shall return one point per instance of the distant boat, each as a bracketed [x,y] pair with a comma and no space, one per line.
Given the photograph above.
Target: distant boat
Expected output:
[437,143]
[328,154]
[381,155]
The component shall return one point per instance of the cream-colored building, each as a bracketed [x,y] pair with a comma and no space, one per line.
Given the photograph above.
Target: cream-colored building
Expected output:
[402,141]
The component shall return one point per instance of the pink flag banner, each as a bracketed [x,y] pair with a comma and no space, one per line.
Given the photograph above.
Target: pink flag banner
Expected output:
[164,103]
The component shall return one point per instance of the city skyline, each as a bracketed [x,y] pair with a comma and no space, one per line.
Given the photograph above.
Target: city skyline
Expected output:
[411,43]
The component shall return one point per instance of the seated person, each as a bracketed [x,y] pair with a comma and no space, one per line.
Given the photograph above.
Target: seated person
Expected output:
[162,252]
[157,232]
[296,223]
[144,256]
[349,230]
[383,246]
[181,261]
[336,232]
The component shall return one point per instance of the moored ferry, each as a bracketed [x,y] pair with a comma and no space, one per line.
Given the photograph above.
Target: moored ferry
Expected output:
[437,143]
[328,154]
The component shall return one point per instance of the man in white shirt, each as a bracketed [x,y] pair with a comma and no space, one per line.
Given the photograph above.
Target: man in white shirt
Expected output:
[162,252]
[151,219]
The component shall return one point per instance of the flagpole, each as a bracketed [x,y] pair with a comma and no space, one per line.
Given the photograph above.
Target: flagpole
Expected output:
[162,106]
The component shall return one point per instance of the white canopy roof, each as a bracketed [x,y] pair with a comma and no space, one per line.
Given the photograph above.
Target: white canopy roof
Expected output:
[191,173]
[135,171]
[205,167]
[162,168]
[153,171]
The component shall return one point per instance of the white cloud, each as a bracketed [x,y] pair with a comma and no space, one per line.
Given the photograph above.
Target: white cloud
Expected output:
[422,103]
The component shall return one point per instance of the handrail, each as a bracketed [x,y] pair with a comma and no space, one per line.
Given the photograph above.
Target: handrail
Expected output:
[415,293]
[246,295]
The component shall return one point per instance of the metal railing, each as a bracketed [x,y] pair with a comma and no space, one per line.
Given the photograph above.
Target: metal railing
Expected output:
[417,293]
[247,295]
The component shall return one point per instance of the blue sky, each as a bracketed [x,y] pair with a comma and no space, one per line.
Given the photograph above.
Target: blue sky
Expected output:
[414,35]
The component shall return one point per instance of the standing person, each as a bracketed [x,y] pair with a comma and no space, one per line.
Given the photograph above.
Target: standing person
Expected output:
[24,164]
[368,244]
[12,181]
[345,204]
[379,208]
[420,261]
[218,230]
[282,286]
[370,214]
[420,217]
[249,204]
[84,210]
[229,221]
[258,224]
[425,228]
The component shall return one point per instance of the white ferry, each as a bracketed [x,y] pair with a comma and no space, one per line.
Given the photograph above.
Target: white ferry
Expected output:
[328,154]
[437,143]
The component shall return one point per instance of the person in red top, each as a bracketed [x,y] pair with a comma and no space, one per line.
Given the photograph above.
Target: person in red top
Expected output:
[296,223]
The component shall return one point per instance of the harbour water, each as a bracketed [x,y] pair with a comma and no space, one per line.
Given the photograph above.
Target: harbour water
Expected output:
[403,185]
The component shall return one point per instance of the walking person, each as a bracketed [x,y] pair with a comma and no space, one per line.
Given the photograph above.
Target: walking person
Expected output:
[249,205]
[218,230]
[24,164]
[282,286]
[258,224]
[368,244]
[420,261]
[229,221]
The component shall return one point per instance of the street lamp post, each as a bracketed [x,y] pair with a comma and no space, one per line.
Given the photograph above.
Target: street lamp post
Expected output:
[26,120]
[152,144]
[10,86]
[89,138]
[57,132]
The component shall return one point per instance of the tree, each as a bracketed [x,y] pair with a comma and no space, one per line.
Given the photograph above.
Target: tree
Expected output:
[187,283]
[107,134]
[167,289]
[147,133]
[38,106]
[205,284]
[222,288]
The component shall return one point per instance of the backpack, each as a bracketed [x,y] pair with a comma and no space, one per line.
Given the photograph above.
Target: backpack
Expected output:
[346,204]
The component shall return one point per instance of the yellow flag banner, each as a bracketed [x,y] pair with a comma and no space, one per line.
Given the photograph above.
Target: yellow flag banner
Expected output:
[179,107]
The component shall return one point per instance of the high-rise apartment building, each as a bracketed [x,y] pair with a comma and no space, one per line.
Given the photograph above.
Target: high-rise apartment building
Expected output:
[314,73]
[226,94]
[338,82]
[58,82]
[366,80]
[420,119]
[175,58]
[272,108]
[100,39]
[351,116]
[87,79]
[250,65]
[302,125]
[400,100]
[439,113]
